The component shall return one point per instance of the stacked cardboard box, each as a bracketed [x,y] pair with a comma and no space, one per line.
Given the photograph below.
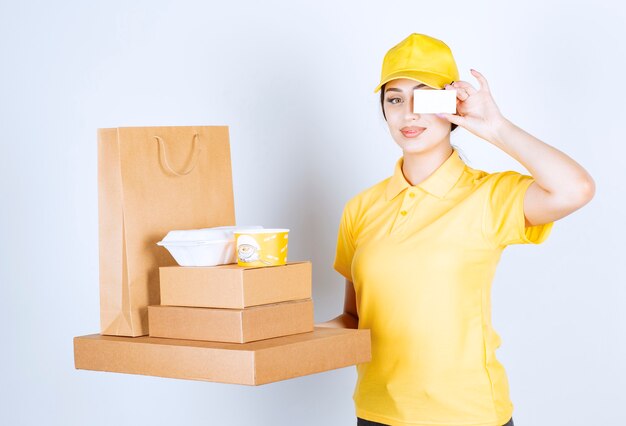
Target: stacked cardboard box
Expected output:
[230,303]
[229,324]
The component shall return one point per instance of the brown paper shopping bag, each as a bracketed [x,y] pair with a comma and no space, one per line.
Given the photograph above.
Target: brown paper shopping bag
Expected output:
[152,180]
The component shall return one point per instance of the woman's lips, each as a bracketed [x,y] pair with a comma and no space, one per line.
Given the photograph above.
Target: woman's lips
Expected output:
[412,133]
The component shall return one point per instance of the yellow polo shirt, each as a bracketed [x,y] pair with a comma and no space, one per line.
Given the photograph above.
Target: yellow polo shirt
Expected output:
[422,259]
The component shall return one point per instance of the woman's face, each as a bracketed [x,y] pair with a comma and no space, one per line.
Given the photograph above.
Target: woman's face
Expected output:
[413,132]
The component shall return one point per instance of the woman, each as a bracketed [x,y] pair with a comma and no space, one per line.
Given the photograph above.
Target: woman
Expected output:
[420,248]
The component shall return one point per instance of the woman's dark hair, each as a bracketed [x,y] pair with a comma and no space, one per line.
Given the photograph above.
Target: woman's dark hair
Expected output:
[382,105]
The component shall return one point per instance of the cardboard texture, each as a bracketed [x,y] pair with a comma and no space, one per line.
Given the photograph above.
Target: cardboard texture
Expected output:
[152,180]
[253,363]
[231,325]
[234,286]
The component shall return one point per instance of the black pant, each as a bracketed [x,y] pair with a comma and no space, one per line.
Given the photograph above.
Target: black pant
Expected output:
[363,422]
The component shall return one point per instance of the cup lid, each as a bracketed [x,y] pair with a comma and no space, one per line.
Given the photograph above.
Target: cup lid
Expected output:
[262,231]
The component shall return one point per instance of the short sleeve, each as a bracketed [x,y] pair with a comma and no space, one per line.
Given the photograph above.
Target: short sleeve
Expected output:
[504,221]
[345,244]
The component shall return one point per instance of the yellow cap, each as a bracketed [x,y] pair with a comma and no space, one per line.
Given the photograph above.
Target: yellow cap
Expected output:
[421,58]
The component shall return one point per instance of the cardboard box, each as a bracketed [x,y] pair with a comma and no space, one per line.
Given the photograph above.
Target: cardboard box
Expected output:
[231,325]
[254,363]
[234,286]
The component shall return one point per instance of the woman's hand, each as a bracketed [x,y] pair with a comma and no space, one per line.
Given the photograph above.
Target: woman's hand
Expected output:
[476,110]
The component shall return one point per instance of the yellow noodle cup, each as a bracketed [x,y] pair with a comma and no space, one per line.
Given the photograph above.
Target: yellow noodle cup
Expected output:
[262,247]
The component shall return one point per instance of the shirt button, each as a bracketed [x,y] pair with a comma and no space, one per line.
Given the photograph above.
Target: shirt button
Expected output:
[403,212]
[411,194]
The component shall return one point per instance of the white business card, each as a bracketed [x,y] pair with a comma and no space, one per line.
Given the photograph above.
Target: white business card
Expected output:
[433,101]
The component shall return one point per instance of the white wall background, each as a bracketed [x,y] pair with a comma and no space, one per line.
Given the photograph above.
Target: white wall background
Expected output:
[294,81]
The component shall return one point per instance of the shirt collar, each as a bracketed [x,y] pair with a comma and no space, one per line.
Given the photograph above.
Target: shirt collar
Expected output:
[438,183]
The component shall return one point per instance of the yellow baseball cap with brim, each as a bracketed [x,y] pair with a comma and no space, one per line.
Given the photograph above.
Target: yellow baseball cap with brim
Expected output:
[421,58]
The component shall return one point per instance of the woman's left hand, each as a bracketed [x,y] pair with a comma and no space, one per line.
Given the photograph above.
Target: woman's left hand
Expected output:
[476,110]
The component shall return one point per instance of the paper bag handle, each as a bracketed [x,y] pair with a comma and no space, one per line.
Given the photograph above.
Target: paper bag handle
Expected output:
[166,163]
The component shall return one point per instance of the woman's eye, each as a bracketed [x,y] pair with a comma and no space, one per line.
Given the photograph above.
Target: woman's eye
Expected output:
[391,100]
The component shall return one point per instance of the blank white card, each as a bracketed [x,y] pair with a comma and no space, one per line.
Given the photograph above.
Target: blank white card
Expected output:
[433,101]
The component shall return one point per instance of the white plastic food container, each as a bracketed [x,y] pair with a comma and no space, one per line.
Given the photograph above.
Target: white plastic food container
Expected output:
[204,247]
